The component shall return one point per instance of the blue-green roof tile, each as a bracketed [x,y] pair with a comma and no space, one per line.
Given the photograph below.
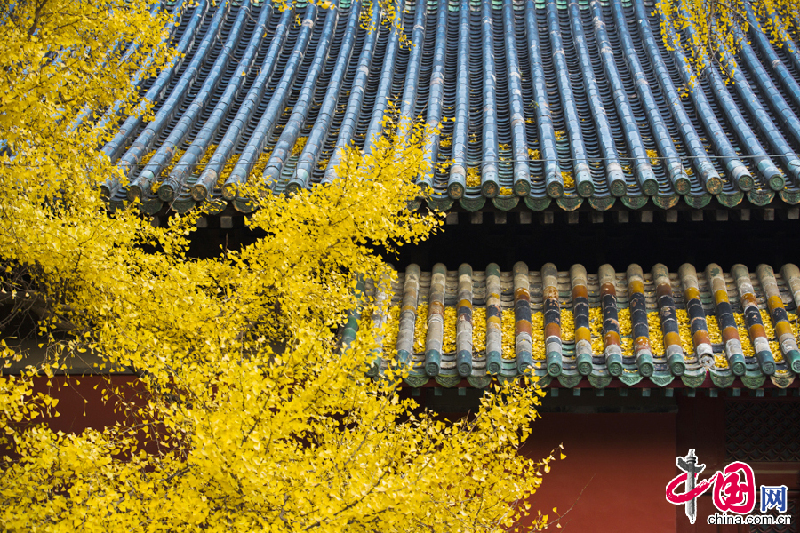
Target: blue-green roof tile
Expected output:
[540,104]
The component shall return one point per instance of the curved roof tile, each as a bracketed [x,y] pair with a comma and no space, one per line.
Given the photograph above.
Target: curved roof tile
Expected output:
[636,327]
[552,103]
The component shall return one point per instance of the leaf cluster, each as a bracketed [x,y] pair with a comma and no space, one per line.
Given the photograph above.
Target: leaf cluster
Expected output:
[248,413]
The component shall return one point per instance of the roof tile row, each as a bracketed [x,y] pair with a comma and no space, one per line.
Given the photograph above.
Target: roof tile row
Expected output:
[566,102]
[573,325]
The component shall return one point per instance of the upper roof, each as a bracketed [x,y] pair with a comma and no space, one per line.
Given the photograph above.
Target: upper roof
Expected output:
[540,103]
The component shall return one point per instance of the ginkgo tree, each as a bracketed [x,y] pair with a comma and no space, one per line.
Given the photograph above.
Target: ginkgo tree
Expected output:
[249,413]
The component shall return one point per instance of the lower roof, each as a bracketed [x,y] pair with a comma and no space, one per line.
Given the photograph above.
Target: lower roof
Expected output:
[694,327]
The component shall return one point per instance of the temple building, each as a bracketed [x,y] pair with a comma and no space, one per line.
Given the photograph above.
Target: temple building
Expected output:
[621,228]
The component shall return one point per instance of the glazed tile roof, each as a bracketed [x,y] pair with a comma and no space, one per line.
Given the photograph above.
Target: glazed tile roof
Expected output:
[541,103]
[638,327]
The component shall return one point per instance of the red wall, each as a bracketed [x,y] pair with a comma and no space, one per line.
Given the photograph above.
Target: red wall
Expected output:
[80,400]
[615,473]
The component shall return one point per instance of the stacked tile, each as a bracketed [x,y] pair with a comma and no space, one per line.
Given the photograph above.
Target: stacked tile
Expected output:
[784,93]
[767,170]
[519,143]
[552,320]
[610,157]
[408,316]
[305,165]
[791,274]
[166,152]
[433,346]
[643,169]
[494,330]
[677,176]
[611,338]
[464,324]
[522,318]
[669,320]
[780,318]
[727,324]
[694,308]
[291,131]
[381,105]
[457,179]
[452,348]
[347,131]
[640,329]
[583,177]
[580,316]
[435,101]
[111,149]
[268,120]
[752,317]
